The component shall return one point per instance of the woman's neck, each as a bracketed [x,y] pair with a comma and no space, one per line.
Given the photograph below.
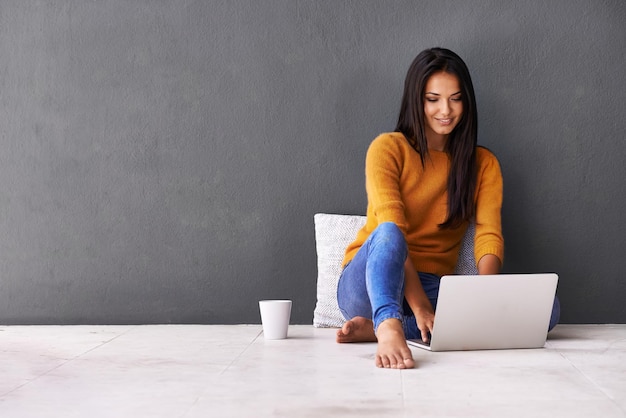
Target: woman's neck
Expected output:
[437,142]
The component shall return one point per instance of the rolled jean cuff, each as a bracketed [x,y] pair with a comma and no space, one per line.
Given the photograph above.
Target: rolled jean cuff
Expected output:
[383,317]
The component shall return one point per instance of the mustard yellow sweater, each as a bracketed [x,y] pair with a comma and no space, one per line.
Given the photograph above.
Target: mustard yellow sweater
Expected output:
[401,191]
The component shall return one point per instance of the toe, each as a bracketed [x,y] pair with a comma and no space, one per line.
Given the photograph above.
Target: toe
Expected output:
[394,363]
[385,362]
[408,362]
[399,363]
[379,361]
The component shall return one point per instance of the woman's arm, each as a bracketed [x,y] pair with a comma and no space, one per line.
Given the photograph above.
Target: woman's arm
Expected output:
[417,300]
[383,169]
[488,240]
[489,264]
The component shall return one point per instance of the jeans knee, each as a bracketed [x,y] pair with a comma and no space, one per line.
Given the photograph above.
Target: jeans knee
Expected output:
[389,235]
[390,231]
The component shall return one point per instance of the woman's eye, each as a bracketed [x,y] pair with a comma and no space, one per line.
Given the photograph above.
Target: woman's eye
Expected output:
[430,99]
[456,99]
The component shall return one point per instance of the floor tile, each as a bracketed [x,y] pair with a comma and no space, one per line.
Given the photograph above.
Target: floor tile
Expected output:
[502,374]
[29,352]
[189,371]
[519,409]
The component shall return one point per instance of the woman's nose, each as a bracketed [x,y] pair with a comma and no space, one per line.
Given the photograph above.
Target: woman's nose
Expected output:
[445,108]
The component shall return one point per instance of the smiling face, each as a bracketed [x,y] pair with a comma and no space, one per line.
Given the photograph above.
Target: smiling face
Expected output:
[443,108]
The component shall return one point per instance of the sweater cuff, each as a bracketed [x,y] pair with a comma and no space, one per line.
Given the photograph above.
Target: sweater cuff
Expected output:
[497,251]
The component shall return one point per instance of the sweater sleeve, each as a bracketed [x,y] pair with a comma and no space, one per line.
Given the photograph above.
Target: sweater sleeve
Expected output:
[383,168]
[488,238]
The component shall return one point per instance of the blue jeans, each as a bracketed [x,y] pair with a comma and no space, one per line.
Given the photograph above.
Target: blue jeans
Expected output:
[372,283]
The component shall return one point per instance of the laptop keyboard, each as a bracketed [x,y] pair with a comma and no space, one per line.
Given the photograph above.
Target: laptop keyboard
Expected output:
[420,341]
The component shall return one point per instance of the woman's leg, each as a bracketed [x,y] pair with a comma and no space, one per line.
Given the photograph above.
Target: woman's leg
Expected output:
[371,287]
[372,284]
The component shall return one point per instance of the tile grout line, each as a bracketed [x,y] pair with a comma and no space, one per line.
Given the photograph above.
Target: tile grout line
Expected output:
[241,353]
[222,372]
[66,361]
[590,380]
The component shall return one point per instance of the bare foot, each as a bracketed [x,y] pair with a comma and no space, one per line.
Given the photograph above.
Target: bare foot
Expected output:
[357,330]
[393,352]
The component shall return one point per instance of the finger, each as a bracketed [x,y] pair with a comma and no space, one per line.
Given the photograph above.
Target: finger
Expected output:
[428,330]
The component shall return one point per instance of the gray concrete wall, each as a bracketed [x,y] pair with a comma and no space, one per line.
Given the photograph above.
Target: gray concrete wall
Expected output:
[162,160]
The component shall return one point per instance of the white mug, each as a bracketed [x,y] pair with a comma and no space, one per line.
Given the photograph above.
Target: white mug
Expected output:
[275,316]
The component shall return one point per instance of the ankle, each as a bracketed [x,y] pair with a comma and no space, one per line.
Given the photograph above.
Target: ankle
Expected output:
[390,324]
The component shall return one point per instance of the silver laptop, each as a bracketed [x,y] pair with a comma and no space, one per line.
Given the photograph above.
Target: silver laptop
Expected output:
[491,312]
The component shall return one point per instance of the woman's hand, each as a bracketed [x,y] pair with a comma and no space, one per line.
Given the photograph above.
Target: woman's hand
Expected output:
[425,318]
[418,301]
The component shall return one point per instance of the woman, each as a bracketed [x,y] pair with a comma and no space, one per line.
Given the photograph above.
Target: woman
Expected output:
[424,182]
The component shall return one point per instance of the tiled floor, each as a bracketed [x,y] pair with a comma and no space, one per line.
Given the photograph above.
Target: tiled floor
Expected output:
[231,371]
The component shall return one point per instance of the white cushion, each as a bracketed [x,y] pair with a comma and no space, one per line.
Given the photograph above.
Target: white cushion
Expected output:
[333,233]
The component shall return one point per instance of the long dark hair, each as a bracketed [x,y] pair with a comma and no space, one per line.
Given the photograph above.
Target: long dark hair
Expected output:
[461,145]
